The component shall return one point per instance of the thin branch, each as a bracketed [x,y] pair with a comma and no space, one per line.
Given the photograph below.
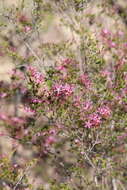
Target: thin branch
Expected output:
[90,162]
[114,184]
[20,179]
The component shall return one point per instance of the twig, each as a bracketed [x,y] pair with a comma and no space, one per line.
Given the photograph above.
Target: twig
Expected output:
[20,179]
[33,52]
[114,184]
[90,162]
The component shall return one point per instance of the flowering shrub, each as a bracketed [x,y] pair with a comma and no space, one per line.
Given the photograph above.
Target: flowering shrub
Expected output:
[71,113]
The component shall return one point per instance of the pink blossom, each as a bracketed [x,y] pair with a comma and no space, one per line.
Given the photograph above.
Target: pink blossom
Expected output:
[122,137]
[13,49]
[29,110]
[77,141]
[88,124]
[2,95]
[3,116]
[60,68]
[63,71]
[17,74]
[120,63]
[50,140]
[118,98]
[105,73]
[66,61]
[18,120]
[104,111]
[27,28]
[3,156]
[36,100]
[23,90]
[63,89]
[111,44]
[2,134]
[94,120]
[23,18]
[105,33]
[125,44]
[15,165]
[85,80]
[77,101]
[36,75]
[68,89]
[52,131]
[120,33]
[87,105]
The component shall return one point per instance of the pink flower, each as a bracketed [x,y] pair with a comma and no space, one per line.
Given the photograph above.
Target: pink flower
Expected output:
[94,120]
[23,18]
[111,44]
[105,73]
[120,63]
[105,32]
[3,134]
[60,68]
[77,101]
[36,76]
[63,71]
[87,105]
[23,90]
[104,111]
[85,80]
[125,44]
[29,110]
[17,120]
[50,140]
[68,89]
[3,116]
[36,100]
[2,95]
[122,137]
[77,141]
[13,49]
[88,124]
[52,131]
[120,33]
[66,61]
[27,28]
[63,89]
[16,74]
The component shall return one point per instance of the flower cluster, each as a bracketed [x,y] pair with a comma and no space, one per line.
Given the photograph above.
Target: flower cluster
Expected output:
[66,62]
[104,111]
[105,32]
[3,95]
[87,105]
[95,119]
[62,90]
[84,79]
[17,75]
[35,75]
